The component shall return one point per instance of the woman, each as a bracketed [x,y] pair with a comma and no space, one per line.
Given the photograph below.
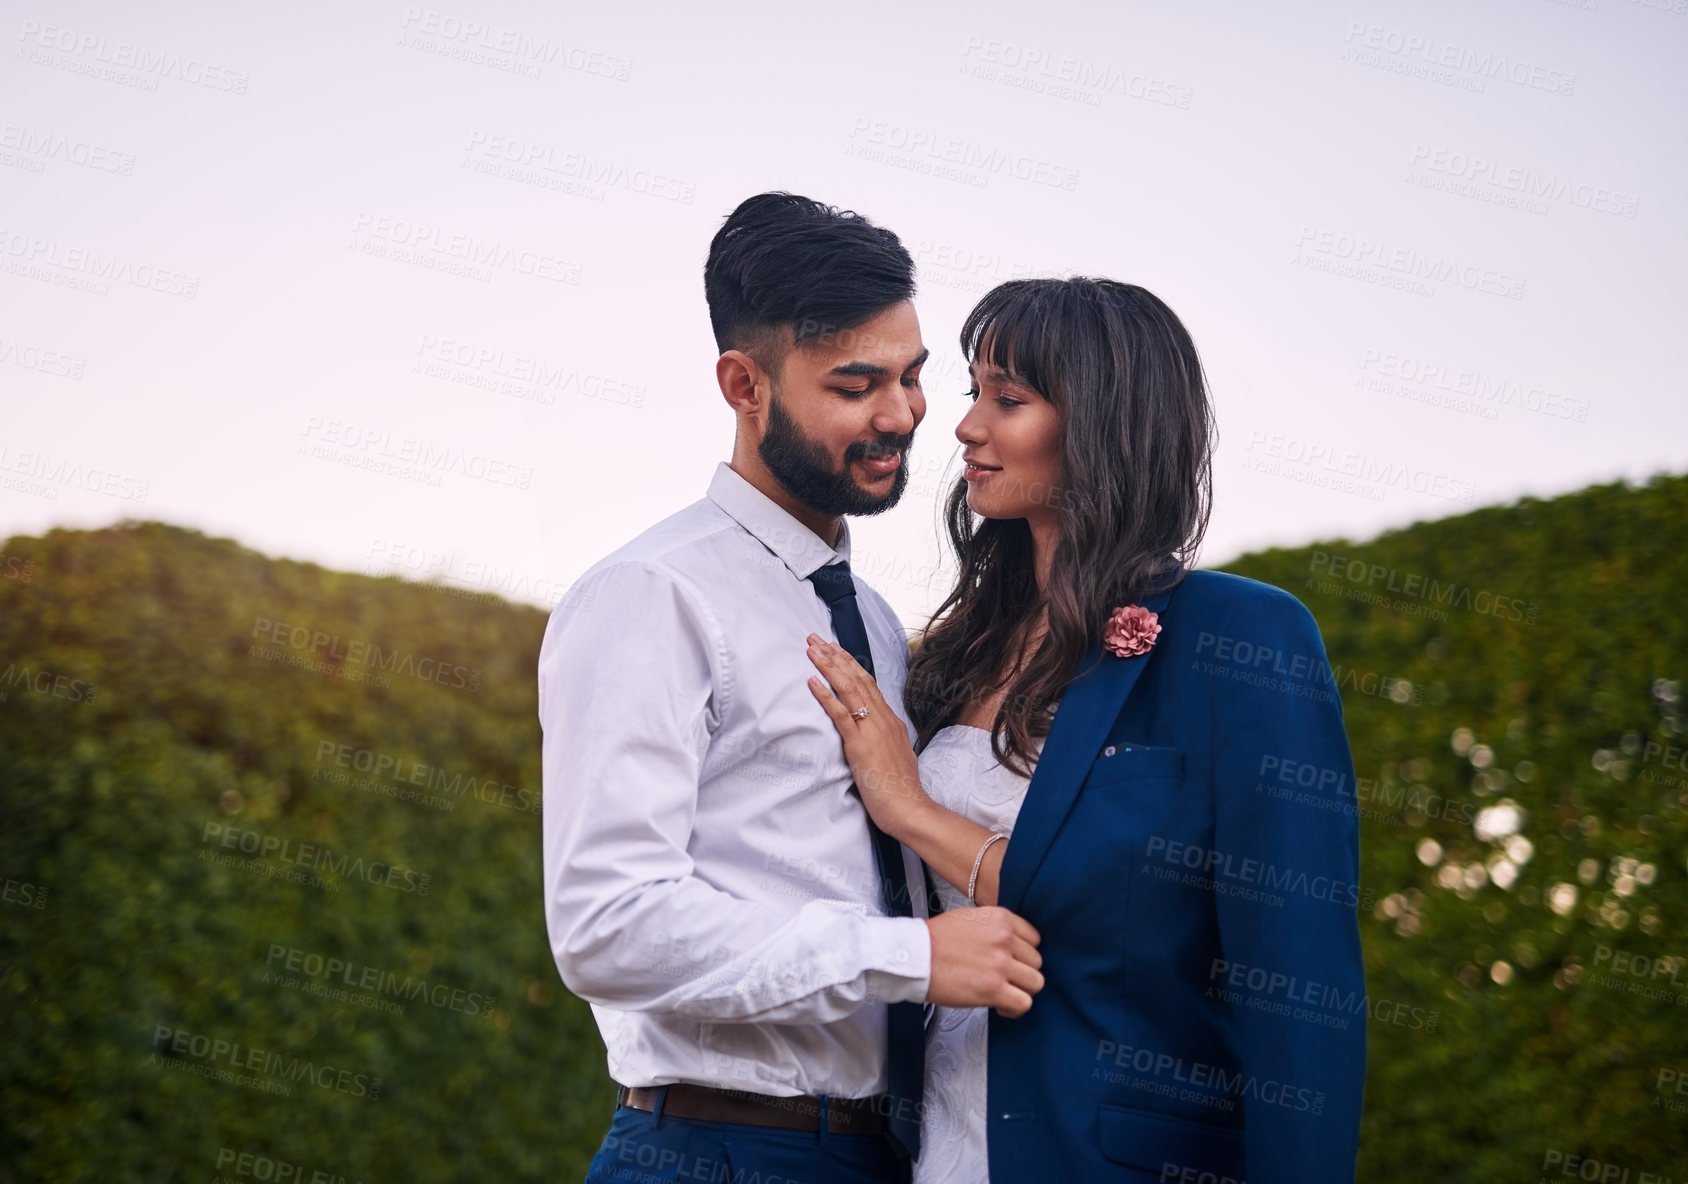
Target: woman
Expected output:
[1127,723]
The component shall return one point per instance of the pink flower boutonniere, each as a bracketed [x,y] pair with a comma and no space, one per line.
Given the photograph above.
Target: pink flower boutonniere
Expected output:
[1131,631]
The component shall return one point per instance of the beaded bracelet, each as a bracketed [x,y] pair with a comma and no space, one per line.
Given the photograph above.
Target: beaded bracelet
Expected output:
[978,862]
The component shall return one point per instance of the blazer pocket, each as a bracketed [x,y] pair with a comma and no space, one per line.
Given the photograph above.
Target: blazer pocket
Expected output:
[1145,1139]
[1132,762]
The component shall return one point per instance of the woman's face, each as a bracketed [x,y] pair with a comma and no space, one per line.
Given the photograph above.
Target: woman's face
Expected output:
[1014,435]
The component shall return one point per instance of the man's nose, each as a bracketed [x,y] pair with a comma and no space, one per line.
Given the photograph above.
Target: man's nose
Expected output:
[899,415]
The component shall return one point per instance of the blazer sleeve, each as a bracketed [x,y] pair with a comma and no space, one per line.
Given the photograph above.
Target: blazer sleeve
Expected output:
[1285,870]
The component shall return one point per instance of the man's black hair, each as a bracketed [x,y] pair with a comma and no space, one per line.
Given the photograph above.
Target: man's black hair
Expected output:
[782,259]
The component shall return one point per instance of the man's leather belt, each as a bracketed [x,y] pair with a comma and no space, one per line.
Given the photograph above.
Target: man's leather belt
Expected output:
[845,1116]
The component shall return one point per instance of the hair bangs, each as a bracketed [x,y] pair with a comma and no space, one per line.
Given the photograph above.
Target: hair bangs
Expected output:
[1012,330]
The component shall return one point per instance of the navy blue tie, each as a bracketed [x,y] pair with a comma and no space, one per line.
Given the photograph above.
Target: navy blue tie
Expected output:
[905,1022]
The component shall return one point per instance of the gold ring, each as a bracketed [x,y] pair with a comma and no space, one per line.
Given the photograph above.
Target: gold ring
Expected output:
[860,712]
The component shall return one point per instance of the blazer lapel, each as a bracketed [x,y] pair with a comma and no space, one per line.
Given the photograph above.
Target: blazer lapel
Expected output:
[1088,709]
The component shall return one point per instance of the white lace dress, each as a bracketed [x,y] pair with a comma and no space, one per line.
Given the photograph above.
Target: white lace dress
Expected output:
[959,772]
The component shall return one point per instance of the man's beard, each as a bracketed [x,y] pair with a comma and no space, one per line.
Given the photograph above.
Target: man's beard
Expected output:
[805,470]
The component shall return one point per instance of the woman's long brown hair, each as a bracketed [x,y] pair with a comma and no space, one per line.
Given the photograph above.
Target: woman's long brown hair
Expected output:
[1136,453]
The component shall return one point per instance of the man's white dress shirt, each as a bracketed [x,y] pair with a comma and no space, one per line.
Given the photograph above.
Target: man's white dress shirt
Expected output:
[710,886]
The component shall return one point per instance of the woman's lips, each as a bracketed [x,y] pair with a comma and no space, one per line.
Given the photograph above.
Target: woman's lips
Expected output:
[973,472]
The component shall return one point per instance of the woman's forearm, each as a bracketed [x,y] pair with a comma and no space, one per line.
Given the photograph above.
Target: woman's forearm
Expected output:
[948,843]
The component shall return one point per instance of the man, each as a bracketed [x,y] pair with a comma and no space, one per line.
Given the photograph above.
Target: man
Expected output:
[748,942]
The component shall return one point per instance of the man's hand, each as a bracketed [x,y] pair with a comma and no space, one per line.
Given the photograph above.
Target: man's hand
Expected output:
[984,957]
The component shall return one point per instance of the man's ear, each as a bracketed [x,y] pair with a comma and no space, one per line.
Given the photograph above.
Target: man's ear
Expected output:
[744,384]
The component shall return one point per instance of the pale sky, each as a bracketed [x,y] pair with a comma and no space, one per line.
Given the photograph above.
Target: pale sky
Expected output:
[414,288]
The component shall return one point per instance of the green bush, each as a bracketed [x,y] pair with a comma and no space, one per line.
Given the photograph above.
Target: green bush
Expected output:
[1543,672]
[153,709]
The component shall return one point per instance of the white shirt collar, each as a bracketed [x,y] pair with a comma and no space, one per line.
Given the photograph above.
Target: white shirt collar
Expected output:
[798,547]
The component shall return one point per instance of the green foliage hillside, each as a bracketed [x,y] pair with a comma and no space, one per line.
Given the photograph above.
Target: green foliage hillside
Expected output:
[270,844]
[1519,664]
[491,1071]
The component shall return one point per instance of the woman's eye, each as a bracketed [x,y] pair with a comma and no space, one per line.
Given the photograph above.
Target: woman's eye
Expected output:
[970,393]
[1005,401]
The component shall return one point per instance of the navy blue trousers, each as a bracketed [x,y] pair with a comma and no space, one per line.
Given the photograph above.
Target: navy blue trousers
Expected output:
[643,1148]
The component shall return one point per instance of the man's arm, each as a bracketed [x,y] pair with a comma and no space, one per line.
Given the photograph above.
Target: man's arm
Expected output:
[630,672]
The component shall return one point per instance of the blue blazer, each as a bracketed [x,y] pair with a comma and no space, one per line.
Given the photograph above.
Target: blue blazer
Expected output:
[1188,848]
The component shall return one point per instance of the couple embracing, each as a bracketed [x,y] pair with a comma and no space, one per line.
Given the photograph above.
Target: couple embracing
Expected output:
[1028,903]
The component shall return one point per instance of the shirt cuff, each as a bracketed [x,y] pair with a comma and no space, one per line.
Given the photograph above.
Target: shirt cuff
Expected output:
[900,962]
